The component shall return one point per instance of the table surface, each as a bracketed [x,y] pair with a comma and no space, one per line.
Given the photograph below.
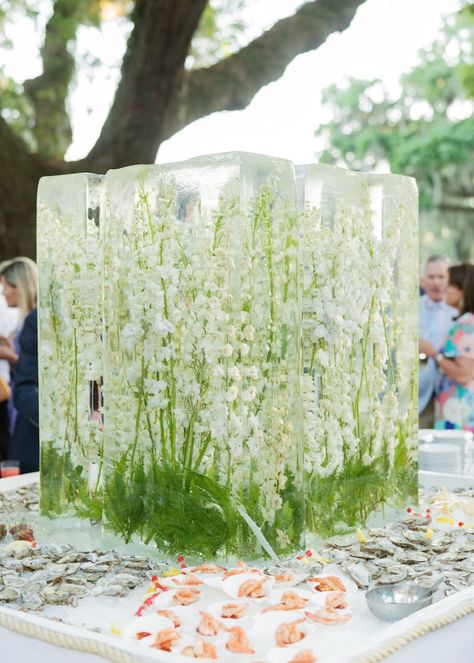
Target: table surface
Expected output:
[453,642]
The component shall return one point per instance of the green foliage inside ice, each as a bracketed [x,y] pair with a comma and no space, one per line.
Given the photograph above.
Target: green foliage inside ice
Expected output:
[64,483]
[348,499]
[191,512]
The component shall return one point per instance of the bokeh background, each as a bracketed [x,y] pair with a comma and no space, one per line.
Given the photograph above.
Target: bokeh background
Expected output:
[380,85]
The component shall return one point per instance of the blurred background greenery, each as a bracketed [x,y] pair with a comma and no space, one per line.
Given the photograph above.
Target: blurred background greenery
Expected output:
[109,83]
[427,132]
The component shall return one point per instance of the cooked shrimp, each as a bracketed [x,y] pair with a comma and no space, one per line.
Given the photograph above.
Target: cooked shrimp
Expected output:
[287,633]
[291,597]
[142,634]
[208,625]
[288,576]
[208,568]
[328,584]
[288,601]
[328,617]
[252,588]
[200,649]
[336,601]
[240,568]
[169,614]
[277,607]
[246,568]
[238,641]
[304,656]
[232,572]
[186,596]
[166,639]
[234,610]
[190,580]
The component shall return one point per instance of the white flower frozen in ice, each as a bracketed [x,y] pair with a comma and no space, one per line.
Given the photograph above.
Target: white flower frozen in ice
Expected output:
[231,394]
[227,350]
[234,374]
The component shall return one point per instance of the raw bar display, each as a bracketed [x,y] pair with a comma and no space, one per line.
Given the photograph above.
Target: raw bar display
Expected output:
[248,351]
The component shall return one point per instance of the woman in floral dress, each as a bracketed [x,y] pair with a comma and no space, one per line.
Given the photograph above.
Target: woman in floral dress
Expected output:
[454,408]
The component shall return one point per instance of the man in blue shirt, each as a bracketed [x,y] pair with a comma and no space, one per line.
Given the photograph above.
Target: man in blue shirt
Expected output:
[436,318]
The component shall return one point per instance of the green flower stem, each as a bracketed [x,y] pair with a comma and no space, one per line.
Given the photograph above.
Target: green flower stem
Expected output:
[164,450]
[264,210]
[149,427]
[188,447]
[364,355]
[202,451]
[99,474]
[76,386]
[389,353]
[313,358]
[144,200]
[54,318]
[171,387]
[139,412]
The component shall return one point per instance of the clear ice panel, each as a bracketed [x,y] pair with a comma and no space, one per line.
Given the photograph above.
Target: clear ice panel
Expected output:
[359,244]
[70,355]
[203,438]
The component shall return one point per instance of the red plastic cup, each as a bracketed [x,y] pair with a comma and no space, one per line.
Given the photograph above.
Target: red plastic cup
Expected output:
[9,468]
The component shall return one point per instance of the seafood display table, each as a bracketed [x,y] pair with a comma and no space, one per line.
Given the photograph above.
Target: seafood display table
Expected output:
[454,641]
[441,631]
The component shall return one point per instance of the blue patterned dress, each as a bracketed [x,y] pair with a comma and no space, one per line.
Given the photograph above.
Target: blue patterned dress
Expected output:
[454,407]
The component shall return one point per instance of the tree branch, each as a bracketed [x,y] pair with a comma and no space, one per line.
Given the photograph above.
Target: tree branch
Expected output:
[232,83]
[151,75]
[48,92]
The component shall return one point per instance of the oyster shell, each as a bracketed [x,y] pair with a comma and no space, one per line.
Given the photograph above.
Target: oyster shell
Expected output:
[9,594]
[359,573]
[387,578]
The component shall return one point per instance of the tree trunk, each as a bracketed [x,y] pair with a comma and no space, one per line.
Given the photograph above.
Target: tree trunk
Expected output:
[152,72]
[19,175]
[156,97]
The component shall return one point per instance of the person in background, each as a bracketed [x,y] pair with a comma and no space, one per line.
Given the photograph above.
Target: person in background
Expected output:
[436,318]
[455,392]
[8,324]
[25,439]
[18,278]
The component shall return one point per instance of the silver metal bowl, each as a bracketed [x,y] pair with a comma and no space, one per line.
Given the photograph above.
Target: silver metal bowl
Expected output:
[392,602]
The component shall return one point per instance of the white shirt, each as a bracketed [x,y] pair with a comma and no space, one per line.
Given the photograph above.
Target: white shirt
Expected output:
[8,325]
[436,319]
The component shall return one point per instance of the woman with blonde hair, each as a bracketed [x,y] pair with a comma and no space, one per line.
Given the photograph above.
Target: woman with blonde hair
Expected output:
[455,391]
[18,279]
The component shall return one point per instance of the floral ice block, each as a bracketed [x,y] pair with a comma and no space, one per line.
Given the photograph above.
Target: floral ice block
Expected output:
[70,325]
[359,271]
[203,434]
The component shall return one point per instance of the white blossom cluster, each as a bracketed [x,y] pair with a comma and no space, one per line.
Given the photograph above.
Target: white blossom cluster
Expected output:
[70,317]
[359,302]
[202,331]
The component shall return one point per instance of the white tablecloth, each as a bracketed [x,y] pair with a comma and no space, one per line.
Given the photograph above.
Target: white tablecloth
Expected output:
[451,644]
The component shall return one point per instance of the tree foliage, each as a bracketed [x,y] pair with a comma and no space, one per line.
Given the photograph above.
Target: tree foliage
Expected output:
[184,59]
[426,131]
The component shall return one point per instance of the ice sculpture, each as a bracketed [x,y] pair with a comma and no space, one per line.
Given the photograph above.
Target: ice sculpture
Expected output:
[201,355]
[70,311]
[360,292]
[249,352]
